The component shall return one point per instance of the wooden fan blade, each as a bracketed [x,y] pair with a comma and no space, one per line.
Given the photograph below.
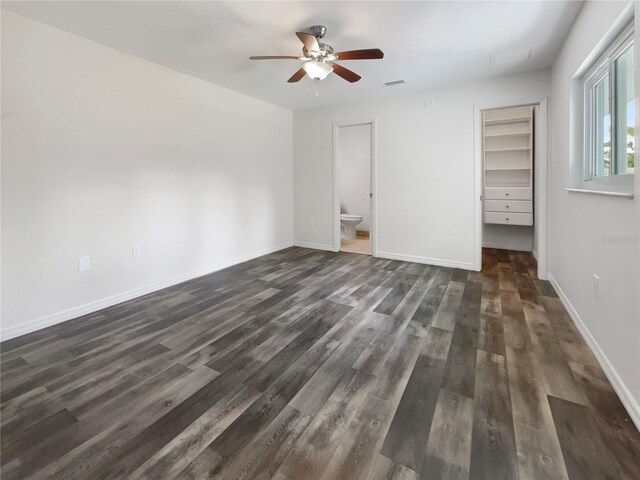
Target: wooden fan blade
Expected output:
[274,57]
[296,77]
[309,41]
[345,73]
[368,54]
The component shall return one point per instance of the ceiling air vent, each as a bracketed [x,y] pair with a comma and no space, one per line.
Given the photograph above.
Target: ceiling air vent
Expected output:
[395,82]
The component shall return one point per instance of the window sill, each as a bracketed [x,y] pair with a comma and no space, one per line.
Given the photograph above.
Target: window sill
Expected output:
[601,192]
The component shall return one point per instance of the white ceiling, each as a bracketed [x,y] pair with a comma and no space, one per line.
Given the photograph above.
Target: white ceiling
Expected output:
[427,44]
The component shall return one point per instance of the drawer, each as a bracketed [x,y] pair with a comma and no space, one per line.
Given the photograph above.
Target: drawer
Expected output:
[509,218]
[522,206]
[507,193]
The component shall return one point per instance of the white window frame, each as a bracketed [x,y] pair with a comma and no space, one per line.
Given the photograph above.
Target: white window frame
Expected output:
[601,67]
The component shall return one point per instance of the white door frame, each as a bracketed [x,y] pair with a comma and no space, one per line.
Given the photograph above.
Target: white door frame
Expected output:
[540,164]
[373,237]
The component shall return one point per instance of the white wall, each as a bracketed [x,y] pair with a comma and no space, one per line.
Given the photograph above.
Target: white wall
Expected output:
[594,234]
[102,151]
[425,168]
[355,172]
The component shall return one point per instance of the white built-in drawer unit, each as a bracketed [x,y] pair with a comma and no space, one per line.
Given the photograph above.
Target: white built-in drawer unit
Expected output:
[506,193]
[509,218]
[508,165]
[521,206]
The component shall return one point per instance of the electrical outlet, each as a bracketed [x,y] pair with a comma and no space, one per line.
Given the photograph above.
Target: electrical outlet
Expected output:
[596,286]
[312,222]
[429,102]
[136,253]
[84,264]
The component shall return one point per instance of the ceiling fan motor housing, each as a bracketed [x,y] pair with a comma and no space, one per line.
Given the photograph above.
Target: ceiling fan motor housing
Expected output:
[325,50]
[318,31]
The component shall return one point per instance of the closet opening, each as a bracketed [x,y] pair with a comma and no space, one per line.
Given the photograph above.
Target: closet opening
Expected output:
[512,148]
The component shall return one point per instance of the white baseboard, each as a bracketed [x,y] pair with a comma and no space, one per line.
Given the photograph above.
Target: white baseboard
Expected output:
[59,317]
[534,253]
[630,403]
[426,260]
[507,246]
[314,246]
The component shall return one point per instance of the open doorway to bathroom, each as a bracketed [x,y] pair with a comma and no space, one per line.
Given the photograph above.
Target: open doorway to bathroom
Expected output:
[354,186]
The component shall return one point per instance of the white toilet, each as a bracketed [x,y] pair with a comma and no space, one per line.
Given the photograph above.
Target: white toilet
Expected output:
[349,223]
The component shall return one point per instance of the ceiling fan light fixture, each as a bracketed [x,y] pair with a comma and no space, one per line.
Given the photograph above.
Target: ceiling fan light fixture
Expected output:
[317,70]
[320,60]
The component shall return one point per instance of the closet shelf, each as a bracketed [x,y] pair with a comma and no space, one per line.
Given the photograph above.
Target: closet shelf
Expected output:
[510,185]
[502,150]
[503,121]
[495,135]
[493,169]
[508,165]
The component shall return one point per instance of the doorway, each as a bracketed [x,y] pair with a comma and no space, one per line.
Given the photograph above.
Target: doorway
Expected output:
[511,180]
[354,173]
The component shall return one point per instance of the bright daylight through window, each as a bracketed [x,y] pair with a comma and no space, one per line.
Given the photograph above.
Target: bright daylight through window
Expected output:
[610,112]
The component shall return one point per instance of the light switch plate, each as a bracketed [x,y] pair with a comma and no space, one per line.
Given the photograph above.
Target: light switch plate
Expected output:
[136,253]
[84,263]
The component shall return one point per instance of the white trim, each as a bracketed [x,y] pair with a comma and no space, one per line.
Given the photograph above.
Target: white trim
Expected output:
[373,205]
[508,246]
[541,188]
[314,246]
[427,260]
[478,190]
[601,192]
[630,403]
[59,317]
[535,255]
[540,228]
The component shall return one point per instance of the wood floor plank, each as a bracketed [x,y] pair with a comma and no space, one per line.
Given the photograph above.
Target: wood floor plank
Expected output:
[356,452]
[571,342]
[139,449]
[317,444]
[493,452]
[460,371]
[217,456]
[584,452]
[449,306]
[383,468]
[313,395]
[312,364]
[169,461]
[516,334]
[614,423]
[426,312]
[448,451]
[539,453]
[114,424]
[406,439]
[264,455]
[393,299]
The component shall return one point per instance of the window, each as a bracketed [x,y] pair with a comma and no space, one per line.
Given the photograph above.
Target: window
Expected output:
[609,107]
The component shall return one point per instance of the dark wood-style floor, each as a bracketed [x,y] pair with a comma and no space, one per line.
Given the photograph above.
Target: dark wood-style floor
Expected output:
[306,365]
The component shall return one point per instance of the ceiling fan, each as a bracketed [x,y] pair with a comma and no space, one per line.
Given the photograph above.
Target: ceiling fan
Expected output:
[319,58]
